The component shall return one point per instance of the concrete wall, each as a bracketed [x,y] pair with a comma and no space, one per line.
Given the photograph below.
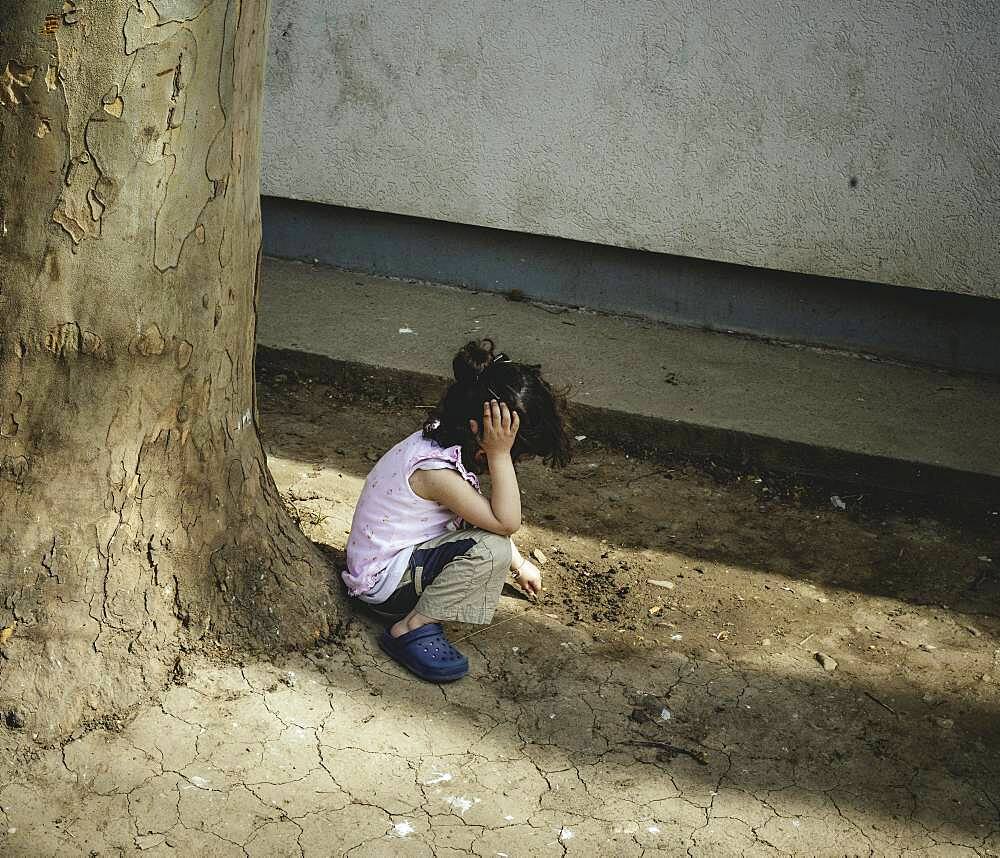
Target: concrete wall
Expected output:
[848,139]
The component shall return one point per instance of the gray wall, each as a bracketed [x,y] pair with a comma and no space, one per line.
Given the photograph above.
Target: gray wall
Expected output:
[850,139]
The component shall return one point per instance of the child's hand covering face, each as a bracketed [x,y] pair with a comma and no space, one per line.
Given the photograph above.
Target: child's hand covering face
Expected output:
[500,426]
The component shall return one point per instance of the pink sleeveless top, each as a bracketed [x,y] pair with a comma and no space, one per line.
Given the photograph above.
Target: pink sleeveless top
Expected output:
[390,519]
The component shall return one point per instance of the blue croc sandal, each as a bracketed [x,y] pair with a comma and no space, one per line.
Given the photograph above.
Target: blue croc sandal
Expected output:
[427,653]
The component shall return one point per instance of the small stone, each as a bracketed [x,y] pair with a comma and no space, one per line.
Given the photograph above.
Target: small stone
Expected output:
[288,678]
[656,610]
[765,642]
[539,556]
[926,647]
[944,723]
[666,585]
[826,662]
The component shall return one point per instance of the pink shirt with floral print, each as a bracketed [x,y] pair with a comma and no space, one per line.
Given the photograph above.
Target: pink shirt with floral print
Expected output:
[390,520]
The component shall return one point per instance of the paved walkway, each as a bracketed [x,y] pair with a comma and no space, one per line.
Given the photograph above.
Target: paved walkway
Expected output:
[339,753]
[797,409]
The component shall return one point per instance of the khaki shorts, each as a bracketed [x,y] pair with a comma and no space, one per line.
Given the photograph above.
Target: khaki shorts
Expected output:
[457,576]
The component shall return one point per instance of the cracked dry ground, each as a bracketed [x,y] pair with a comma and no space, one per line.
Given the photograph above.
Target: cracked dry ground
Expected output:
[587,726]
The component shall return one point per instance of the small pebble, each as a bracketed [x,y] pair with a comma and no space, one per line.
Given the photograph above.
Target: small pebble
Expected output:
[944,723]
[926,647]
[539,556]
[828,664]
[666,585]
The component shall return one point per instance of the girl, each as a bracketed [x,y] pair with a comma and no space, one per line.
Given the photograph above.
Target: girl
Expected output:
[425,545]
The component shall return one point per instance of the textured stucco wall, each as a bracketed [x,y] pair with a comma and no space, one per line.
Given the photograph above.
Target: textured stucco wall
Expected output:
[856,139]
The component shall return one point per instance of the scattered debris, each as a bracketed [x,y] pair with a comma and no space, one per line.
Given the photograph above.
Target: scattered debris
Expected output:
[438,778]
[676,637]
[288,678]
[656,610]
[828,664]
[402,828]
[460,803]
[407,331]
[721,636]
[580,437]
[666,714]
[667,585]
[985,559]
[539,556]
[837,502]
[672,750]
[885,706]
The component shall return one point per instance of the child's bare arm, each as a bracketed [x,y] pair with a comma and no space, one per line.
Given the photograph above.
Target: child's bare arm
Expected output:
[448,488]
[501,513]
[500,427]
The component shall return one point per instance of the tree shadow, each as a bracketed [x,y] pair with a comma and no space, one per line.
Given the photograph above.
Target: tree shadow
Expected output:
[782,742]
[711,516]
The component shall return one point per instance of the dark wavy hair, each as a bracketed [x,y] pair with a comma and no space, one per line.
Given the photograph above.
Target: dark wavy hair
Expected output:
[482,373]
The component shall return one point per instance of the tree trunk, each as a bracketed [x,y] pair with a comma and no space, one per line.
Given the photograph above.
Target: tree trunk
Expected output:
[137,513]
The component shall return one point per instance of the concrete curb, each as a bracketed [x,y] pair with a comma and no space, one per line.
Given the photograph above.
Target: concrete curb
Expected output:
[671,440]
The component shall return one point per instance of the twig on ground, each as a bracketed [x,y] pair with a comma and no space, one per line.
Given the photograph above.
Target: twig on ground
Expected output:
[697,756]
[885,706]
[650,474]
[486,629]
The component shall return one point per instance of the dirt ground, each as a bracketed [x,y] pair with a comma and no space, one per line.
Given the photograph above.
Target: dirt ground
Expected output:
[755,573]
[664,697]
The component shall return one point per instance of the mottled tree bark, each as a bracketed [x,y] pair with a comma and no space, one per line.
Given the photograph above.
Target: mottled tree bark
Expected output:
[137,513]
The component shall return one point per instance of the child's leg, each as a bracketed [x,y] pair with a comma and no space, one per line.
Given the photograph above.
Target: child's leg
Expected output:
[457,577]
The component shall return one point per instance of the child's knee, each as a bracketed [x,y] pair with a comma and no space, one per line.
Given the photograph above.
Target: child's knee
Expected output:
[500,550]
